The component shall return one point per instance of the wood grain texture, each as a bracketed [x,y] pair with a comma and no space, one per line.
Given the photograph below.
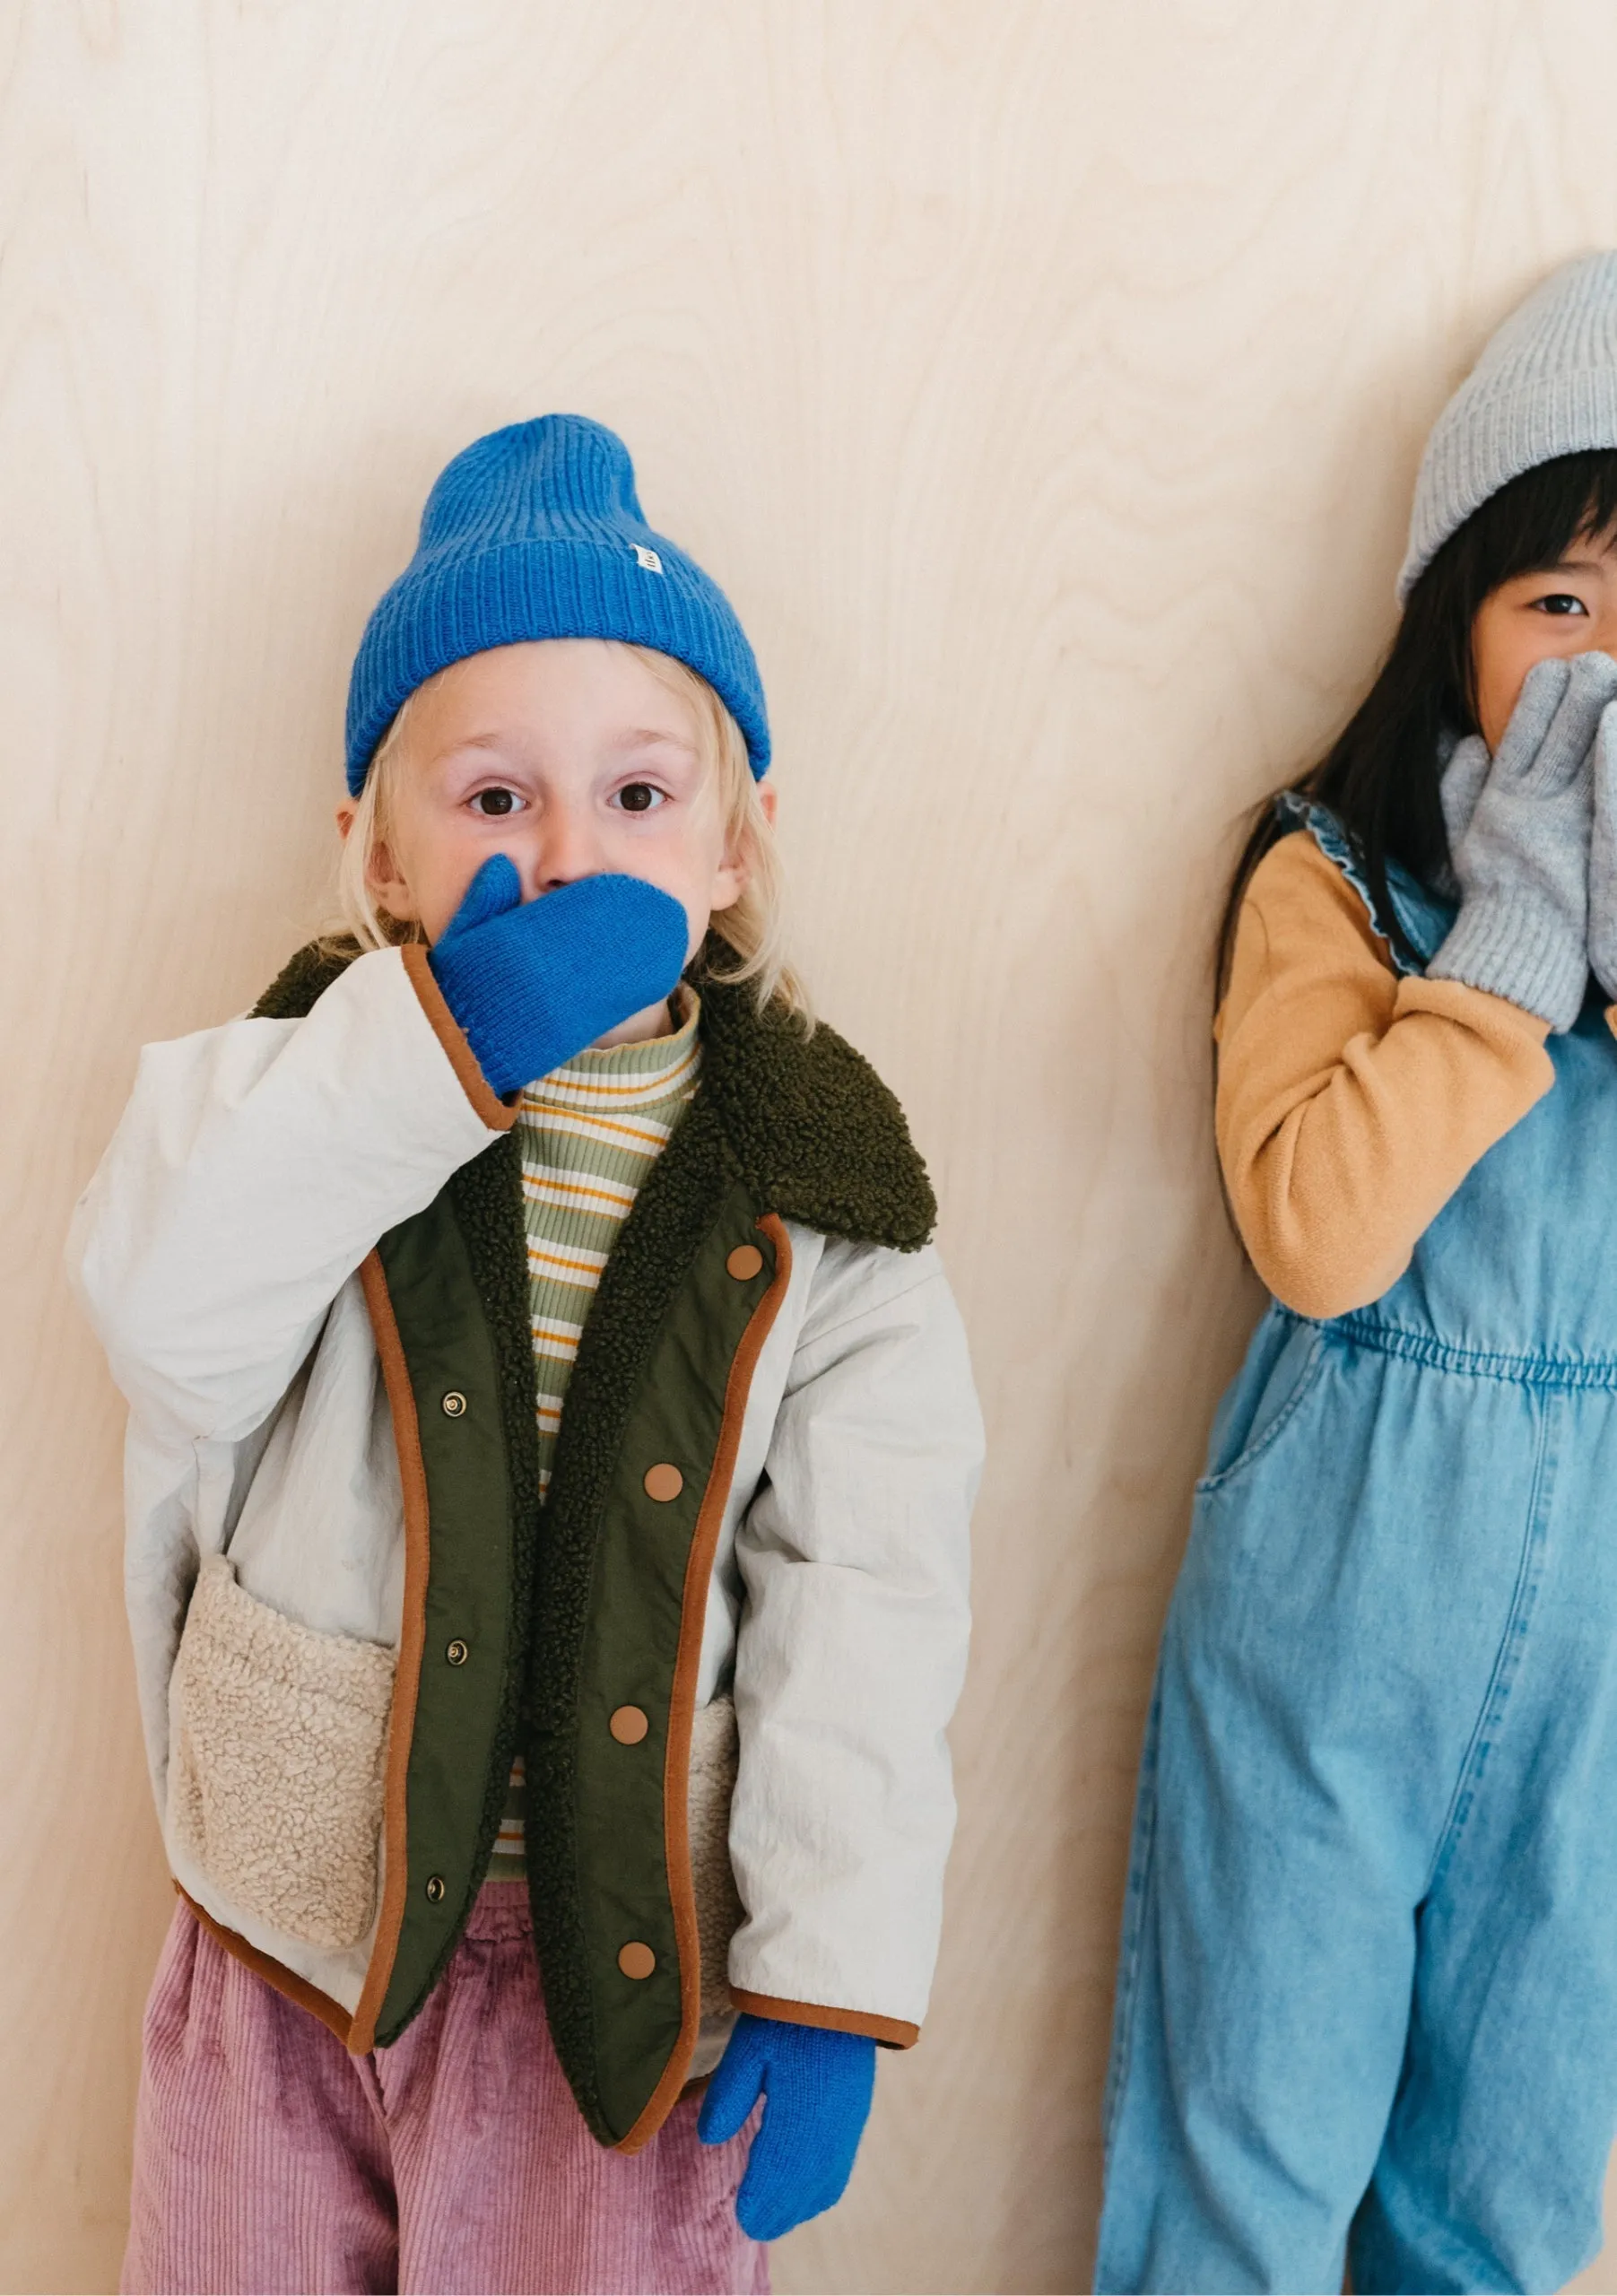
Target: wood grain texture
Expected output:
[1045,380]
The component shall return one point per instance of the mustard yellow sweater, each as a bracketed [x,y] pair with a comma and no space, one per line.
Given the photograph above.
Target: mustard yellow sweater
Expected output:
[1351,1103]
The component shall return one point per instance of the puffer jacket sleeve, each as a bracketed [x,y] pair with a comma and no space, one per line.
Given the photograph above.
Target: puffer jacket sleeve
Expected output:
[851,1652]
[254,1167]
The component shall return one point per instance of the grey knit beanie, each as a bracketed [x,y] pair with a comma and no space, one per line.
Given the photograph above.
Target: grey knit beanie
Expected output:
[1545,385]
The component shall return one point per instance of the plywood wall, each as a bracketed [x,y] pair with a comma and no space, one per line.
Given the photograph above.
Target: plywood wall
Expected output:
[1045,380]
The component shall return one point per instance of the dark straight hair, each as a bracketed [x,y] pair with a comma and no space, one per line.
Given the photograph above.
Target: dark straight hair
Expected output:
[1380,775]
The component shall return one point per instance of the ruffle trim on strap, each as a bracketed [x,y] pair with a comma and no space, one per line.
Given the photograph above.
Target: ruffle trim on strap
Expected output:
[1423,916]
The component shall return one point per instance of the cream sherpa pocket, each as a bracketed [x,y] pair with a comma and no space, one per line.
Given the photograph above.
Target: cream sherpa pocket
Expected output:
[715,1750]
[277,1738]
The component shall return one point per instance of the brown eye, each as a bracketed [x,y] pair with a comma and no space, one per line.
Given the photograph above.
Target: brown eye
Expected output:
[495,801]
[638,798]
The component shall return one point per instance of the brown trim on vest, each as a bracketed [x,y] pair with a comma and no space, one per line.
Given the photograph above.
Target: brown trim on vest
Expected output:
[413,1635]
[892,2030]
[681,1705]
[274,1973]
[447,1029]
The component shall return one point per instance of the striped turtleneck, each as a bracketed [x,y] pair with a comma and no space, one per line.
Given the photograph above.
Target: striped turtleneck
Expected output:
[589,1134]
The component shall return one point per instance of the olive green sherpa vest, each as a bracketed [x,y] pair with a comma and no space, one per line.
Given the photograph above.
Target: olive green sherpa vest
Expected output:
[527,1627]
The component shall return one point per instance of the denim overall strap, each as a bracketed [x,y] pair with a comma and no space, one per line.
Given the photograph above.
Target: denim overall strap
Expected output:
[1424,915]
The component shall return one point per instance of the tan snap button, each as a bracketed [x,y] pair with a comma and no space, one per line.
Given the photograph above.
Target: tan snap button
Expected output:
[637,1961]
[434,1889]
[745,1262]
[629,1726]
[456,1653]
[664,1481]
[455,1405]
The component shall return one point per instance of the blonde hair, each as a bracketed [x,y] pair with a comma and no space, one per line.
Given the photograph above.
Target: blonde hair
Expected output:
[753,928]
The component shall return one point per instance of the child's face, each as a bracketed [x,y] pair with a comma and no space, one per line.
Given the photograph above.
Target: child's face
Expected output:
[570,757]
[1570,608]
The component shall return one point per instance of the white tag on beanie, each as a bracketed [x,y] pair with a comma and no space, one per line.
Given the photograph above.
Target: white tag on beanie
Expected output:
[649,559]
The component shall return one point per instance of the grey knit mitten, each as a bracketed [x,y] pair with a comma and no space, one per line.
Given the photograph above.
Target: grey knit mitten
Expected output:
[1521,857]
[1602,857]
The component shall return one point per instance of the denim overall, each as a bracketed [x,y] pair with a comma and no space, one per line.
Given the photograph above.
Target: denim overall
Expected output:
[1367,1994]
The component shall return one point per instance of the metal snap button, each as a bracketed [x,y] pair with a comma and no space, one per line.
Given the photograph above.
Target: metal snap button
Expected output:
[457,1653]
[629,1725]
[637,1961]
[434,1889]
[664,1481]
[455,1405]
[745,1262]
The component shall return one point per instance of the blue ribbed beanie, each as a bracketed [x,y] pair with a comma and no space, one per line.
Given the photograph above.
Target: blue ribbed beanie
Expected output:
[535,531]
[1545,385]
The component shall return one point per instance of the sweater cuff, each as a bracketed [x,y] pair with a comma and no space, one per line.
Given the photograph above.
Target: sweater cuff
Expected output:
[450,1035]
[1522,951]
[892,2032]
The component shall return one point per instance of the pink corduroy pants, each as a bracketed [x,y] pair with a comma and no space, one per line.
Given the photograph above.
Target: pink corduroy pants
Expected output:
[266,2159]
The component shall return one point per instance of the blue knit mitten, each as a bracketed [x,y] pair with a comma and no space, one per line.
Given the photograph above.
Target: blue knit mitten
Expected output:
[816,2087]
[533,982]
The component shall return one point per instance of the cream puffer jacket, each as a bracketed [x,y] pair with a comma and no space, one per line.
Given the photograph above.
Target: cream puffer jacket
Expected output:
[302,1253]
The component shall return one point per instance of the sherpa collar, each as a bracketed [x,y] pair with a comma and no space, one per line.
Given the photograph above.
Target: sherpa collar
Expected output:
[810,1126]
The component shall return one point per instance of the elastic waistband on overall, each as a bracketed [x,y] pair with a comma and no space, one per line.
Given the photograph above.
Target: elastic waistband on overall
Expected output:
[1366,1329]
